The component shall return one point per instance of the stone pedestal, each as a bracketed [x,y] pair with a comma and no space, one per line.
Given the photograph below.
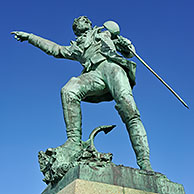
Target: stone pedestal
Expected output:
[89,187]
[113,179]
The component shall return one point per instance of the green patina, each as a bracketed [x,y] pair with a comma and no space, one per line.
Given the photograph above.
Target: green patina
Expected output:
[121,176]
[107,75]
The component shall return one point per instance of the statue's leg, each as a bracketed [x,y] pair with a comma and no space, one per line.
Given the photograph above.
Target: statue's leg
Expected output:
[118,84]
[72,113]
[71,94]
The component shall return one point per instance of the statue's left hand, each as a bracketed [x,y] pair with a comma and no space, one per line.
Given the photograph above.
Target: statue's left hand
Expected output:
[20,36]
[124,41]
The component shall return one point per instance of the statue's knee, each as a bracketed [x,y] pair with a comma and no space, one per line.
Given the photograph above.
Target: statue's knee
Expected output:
[64,90]
[69,92]
[69,86]
[67,95]
[127,109]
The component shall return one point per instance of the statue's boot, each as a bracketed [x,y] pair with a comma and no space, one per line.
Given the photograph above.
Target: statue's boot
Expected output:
[131,117]
[72,116]
[139,142]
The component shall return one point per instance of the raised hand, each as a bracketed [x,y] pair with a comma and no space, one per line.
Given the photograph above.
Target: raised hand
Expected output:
[124,41]
[20,36]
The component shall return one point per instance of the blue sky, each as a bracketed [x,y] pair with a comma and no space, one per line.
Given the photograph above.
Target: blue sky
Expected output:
[30,82]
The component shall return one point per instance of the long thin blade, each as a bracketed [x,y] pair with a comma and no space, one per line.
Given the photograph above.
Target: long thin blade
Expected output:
[148,67]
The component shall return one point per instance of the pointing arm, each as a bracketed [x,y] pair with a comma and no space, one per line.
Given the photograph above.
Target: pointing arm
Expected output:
[45,45]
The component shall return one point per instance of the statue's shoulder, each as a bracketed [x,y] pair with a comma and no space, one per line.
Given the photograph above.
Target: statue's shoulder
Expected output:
[99,31]
[106,34]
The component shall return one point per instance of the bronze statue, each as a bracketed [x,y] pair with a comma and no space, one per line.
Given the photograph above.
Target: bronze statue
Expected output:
[107,75]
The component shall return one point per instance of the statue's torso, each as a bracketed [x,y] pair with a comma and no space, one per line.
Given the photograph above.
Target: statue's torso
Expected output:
[94,47]
[93,44]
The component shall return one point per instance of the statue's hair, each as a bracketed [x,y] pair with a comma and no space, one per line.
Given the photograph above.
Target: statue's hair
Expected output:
[76,30]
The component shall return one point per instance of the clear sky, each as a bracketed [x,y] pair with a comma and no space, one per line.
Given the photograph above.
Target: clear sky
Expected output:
[30,81]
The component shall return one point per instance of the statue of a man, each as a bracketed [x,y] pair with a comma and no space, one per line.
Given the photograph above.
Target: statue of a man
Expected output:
[106,76]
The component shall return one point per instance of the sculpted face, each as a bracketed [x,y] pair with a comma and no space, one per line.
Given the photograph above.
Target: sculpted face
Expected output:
[84,24]
[81,25]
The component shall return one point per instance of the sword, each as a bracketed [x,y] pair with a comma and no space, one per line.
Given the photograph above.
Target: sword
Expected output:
[150,69]
[114,29]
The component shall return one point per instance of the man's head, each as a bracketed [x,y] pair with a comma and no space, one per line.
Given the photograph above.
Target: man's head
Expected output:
[81,24]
